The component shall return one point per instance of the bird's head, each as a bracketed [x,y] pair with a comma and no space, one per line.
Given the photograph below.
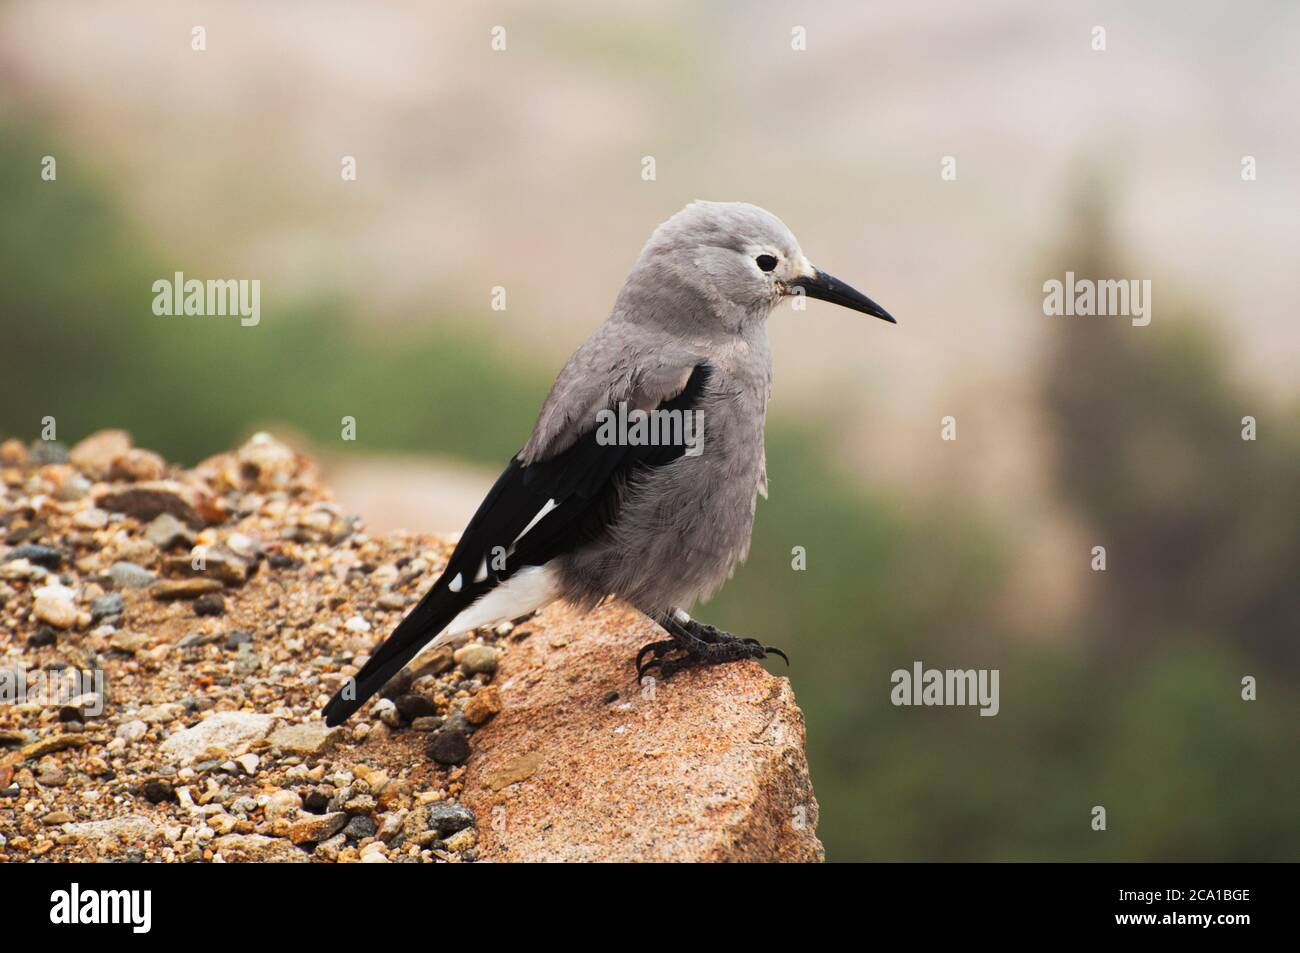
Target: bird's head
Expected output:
[742,259]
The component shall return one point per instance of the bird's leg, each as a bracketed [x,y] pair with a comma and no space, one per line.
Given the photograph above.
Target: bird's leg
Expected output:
[701,644]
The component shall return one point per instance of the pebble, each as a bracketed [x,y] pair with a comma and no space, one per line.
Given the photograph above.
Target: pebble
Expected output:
[357,624]
[60,613]
[107,606]
[73,488]
[476,659]
[92,518]
[359,828]
[386,711]
[157,791]
[128,642]
[210,603]
[316,801]
[131,731]
[237,638]
[168,590]
[283,804]
[249,762]
[45,556]
[130,576]
[317,827]
[448,817]
[229,731]
[307,739]
[166,531]
[485,704]
[449,747]
[43,637]
[414,705]
[46,452]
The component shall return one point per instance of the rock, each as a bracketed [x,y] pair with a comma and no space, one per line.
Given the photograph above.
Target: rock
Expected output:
[43,637]
[52,610]
[413,705]
[45,556]
[230,732]
[386,711]
[135,466]
[237,638]
[147,501]
[56,817]
[13,453]
[447,817]
[210,562]
[359,828]
[475,659]
[131,731]
[210,604]
[92,518]
[317,827]
[449,747]
[706,767]
[167,590]
[105,607]
[316,801]
[130,576]
[129,827]
[50,745]
[73,487]
[258,848]
[283,804]
[162,714]
[165,531]
[128,643]
[461,841]
[249,762]
[306,739]
[94,456]
[485,703]
[357,624]
[158,791]
[43,453]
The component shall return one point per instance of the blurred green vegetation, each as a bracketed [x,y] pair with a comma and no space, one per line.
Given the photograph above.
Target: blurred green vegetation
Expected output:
[1135,706]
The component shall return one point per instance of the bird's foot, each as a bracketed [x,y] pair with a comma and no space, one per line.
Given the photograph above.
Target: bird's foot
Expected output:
[695,643]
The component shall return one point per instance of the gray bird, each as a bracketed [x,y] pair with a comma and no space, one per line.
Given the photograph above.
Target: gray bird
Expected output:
[642,473]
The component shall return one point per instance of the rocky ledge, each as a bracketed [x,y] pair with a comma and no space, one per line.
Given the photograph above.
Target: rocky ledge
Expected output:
[168,637]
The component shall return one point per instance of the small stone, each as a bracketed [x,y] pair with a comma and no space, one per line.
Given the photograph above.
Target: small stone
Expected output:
[329,850]
[228,731]
[136,465]
[414,705]
[210,603]
[248,762]
[46,452]
[55,611]
[461,841]
[167,590]
[238,638]
[476,659]
[130,576]
[427,724]
[317,827]
[316,801]
[92,518]
[483,706]
[359,828]
[357,624]
[131,731]
[158,791]
[94,456]
[449,747]
[166,531]
[146,501]
[258,848]
[105,607]
[306,739]
[448,817]
[45,556]
[283,804]
[611,697]
[386,711]
[128,642]
[56,817]
[43,637]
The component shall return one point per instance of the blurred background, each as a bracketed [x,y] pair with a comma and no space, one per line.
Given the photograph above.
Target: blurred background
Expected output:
[522,169]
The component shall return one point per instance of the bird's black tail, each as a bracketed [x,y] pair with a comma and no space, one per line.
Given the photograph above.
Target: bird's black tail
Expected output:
[423,623]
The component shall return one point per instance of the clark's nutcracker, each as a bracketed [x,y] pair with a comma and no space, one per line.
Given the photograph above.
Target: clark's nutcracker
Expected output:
[642,473]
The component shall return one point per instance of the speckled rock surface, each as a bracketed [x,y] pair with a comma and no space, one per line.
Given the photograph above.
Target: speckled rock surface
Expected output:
[708,766]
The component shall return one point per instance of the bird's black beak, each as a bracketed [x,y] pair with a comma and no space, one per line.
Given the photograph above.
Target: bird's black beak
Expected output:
[826,287]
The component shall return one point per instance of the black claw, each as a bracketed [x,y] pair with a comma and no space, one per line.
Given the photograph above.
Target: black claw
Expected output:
[773,650]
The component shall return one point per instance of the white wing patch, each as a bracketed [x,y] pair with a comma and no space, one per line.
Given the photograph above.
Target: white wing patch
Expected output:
[527,590]
[541,514]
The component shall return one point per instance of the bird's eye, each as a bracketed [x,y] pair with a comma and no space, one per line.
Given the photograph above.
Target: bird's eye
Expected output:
[765,262]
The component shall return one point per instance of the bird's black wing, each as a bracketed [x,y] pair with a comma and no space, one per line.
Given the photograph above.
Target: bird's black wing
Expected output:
[533,513]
